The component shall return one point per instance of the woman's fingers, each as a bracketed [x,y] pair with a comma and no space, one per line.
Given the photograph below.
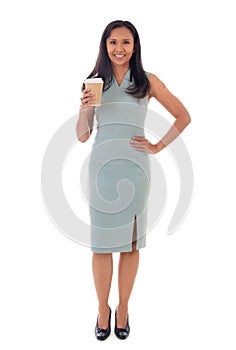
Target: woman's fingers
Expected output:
[143,145]
[86,90]
[87,98]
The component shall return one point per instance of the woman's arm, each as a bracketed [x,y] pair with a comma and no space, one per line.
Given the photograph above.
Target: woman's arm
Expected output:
[172,105]
[84,126]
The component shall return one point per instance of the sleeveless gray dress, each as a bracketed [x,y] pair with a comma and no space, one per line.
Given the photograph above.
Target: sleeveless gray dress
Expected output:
[119,176]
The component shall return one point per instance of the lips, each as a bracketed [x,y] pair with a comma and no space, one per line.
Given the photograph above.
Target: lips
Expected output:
[119,55]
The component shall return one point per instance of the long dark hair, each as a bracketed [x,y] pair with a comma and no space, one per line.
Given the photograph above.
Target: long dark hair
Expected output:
[140,85]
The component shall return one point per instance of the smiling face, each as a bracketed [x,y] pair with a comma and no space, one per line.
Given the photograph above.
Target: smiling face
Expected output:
[120,46]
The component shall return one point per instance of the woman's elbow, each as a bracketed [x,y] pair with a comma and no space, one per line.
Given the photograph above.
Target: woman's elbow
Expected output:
[83,138]
[187,119]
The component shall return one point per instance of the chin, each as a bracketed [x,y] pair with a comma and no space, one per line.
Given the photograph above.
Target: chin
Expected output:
[120,62]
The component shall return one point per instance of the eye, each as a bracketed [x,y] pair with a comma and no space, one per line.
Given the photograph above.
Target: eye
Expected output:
[126,42]
[112,42]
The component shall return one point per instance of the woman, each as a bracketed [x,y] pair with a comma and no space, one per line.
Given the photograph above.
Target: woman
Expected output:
[126,92]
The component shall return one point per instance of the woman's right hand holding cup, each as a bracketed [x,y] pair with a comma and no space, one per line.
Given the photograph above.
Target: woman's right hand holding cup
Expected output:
[87,99]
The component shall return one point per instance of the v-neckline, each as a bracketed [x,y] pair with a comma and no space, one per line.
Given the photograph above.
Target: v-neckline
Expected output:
[125,76]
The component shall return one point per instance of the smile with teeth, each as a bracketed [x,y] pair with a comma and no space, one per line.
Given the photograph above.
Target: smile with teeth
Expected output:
[119,55]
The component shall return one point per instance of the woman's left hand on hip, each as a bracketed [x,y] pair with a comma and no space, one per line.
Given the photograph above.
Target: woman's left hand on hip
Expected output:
[143,145]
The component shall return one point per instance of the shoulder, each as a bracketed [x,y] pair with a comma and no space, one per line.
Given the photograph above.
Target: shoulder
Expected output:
[156,85]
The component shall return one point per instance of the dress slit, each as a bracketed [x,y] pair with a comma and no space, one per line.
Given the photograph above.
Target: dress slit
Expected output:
[134,236]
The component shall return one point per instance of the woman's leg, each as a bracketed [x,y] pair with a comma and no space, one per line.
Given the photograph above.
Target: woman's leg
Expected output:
[128,267]
[102,273]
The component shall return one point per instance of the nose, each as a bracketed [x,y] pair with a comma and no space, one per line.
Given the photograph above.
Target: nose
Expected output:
[120,47]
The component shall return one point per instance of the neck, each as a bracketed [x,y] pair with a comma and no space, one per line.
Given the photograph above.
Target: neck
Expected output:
[120,71]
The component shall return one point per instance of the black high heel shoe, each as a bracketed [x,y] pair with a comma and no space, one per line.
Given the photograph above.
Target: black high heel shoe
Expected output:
[103,334]
[122,333]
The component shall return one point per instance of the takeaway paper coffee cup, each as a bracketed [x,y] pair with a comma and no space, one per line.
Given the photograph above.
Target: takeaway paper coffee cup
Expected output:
[96,85]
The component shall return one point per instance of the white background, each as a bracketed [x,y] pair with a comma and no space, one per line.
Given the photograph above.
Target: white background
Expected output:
[184,296]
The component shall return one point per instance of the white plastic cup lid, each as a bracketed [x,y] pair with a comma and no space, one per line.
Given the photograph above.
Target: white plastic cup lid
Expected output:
[94,80]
